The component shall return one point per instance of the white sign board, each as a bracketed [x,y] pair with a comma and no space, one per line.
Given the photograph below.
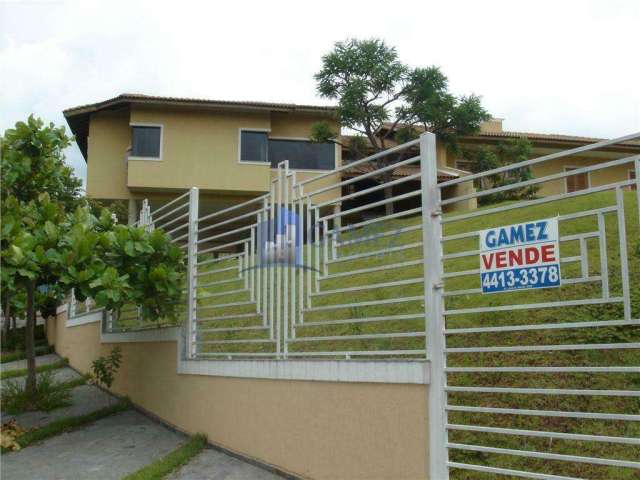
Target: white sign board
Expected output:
[524,255]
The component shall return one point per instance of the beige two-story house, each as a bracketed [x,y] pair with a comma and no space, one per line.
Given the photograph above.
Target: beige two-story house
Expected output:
[139,146]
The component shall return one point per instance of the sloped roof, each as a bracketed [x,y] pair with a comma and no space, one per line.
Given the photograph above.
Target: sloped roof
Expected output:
[202,102]
[401,171]
[78,117]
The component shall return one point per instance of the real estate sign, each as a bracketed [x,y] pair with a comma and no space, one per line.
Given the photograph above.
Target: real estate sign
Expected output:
[524,255]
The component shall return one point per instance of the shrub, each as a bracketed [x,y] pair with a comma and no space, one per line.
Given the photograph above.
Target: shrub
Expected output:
[49,395]
[105,368]
[15,339]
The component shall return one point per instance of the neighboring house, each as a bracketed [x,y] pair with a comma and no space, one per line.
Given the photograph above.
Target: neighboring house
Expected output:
[492,133]
[544,144]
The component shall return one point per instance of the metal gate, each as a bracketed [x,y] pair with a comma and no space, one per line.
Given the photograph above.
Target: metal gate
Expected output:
[539,383]
[381,259]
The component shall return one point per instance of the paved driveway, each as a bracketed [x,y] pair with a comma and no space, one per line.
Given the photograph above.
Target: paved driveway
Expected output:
[105,450]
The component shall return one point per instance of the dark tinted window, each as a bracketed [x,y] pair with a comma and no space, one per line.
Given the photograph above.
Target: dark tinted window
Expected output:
[253,146]
[303,155]
[146,142]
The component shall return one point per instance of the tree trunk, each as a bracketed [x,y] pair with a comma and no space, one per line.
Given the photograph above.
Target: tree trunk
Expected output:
[6,313]
[388,207]
[29,341]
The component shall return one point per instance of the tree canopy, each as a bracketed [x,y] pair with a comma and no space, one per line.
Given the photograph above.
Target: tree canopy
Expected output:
[379,96]
[51,242]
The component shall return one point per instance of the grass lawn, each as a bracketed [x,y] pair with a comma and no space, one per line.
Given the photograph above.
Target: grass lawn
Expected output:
[170,462]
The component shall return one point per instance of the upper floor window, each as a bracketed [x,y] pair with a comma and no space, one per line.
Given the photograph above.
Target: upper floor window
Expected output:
[302,154]
[253,146]
[146,141]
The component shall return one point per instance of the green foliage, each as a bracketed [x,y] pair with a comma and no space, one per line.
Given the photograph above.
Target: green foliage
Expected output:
[53,242]
[117,207]
[323,132]
[49,395]
[105,368]
[33,162]
[373,87]
[14,342]
[505,153]
[19,355]
[172,461]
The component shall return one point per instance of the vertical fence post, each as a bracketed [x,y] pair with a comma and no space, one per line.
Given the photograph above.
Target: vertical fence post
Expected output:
[72,304]
[434,318]
[192,270]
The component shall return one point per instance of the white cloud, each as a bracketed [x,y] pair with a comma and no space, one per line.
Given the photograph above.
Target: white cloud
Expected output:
[546,66]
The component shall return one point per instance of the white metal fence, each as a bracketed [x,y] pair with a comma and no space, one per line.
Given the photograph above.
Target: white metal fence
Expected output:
[539,383]
[362,262]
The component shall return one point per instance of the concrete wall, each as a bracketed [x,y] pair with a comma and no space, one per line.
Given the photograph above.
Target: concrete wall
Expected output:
[320,430]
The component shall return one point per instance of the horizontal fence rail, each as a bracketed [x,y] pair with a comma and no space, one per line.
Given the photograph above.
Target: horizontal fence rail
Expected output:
[540,383]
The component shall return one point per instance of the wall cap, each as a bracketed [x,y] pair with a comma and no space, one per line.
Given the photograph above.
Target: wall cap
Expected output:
[84,318]
[367,371]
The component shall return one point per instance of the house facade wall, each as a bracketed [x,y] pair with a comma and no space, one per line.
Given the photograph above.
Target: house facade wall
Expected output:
[605,176]
[199,148]
[109,138]
[312,429]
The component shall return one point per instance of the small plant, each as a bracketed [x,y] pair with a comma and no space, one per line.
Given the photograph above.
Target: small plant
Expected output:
[105,368]
[49,395]
[9,433]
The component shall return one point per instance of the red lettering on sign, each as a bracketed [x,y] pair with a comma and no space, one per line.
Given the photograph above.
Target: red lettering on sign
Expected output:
[518,257]
[548,253]
[532,254]
[487,259]
[515,257]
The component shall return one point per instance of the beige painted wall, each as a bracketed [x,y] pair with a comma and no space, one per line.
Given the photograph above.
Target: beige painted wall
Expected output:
[320,430]
[109,138]
[602,177]
[199,148]
[599,177]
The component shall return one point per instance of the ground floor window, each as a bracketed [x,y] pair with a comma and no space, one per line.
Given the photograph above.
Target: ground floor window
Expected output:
[576,182]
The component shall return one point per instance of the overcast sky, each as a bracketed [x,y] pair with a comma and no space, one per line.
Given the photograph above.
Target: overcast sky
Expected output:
[544,66]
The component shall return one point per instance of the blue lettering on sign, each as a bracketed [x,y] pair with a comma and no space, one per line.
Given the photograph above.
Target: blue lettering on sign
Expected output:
[525,233]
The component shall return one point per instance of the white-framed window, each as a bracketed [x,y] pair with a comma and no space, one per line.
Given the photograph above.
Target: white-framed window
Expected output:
[253,146]
[146,141]
[631,174]
[575,183]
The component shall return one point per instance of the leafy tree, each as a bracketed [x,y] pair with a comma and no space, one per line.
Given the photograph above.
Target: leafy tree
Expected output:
[383,99]
[504,153]
[51,242]
[373,87]
[33,162]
